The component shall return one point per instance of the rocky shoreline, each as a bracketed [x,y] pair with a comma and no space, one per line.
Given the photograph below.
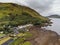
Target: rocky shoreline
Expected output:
[43,36]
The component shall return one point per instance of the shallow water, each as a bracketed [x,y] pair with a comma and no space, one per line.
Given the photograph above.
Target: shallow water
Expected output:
[55,26]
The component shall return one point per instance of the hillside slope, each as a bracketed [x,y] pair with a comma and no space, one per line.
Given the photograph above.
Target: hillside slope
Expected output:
[18,14]
[6,8]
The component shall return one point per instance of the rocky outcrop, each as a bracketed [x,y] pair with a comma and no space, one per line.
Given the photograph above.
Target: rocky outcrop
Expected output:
[44,37]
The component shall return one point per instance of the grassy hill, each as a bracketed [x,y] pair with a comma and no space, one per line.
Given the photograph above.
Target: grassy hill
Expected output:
[6,8]
[13,14]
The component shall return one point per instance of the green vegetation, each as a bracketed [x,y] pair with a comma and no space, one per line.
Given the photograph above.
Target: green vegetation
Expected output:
[13,15]
[3,40]
[2,35]
[17,41]
[21,39]
[25,34]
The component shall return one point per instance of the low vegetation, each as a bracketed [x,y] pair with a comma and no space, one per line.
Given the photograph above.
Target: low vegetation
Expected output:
[2,35]
[3,40]
[21,39]
[13,15]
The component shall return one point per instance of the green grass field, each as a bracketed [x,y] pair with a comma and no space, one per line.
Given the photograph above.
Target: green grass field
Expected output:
[21,41]
[2,35]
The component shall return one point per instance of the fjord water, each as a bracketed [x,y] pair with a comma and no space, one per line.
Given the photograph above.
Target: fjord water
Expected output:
[55,26]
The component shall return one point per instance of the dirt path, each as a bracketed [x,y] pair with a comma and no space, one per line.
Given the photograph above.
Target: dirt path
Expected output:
[43,37]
